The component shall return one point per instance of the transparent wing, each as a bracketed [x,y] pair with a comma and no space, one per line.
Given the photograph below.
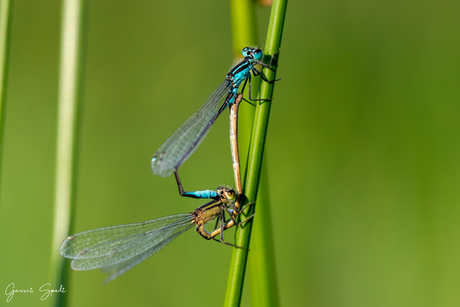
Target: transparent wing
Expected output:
[119,248]
[119,268]
[183,142]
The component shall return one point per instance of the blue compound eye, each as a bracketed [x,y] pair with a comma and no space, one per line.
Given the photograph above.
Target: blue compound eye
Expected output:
[257,54]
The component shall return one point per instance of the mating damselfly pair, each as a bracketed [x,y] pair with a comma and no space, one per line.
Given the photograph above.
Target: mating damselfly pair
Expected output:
[116,249]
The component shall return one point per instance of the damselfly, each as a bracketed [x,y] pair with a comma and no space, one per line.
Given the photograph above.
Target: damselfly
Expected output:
[183,142]
[116,249]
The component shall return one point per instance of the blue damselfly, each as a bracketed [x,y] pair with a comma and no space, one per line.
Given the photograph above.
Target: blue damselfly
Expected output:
[183,142]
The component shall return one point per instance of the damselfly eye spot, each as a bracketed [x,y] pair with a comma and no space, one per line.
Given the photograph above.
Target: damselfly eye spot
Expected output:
[221,191]
[246,52]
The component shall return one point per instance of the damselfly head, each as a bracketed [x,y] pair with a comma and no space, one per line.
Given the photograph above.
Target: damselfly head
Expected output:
[252,53]
[227,193]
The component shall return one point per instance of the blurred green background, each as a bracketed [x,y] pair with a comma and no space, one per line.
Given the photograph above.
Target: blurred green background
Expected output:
[362,151]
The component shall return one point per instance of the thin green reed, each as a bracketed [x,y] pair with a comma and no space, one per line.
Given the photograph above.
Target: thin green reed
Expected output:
[5,19]
[251,185]
[70,79]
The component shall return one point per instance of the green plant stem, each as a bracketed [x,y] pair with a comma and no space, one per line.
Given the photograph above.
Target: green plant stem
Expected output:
[73,16]
[253,169]
[5,17]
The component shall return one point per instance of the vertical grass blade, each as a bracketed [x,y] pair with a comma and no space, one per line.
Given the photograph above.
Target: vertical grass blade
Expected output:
[254,164]
[243,24]
[261,262]
[5,17]
[71,50]
[244,34]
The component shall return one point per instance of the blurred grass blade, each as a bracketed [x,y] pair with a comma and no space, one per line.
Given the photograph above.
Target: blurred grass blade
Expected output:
[264,290]
[261,263]
[244,34]
[71,49]
[244,29]
[5,18]
[253,171]
[262,274]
